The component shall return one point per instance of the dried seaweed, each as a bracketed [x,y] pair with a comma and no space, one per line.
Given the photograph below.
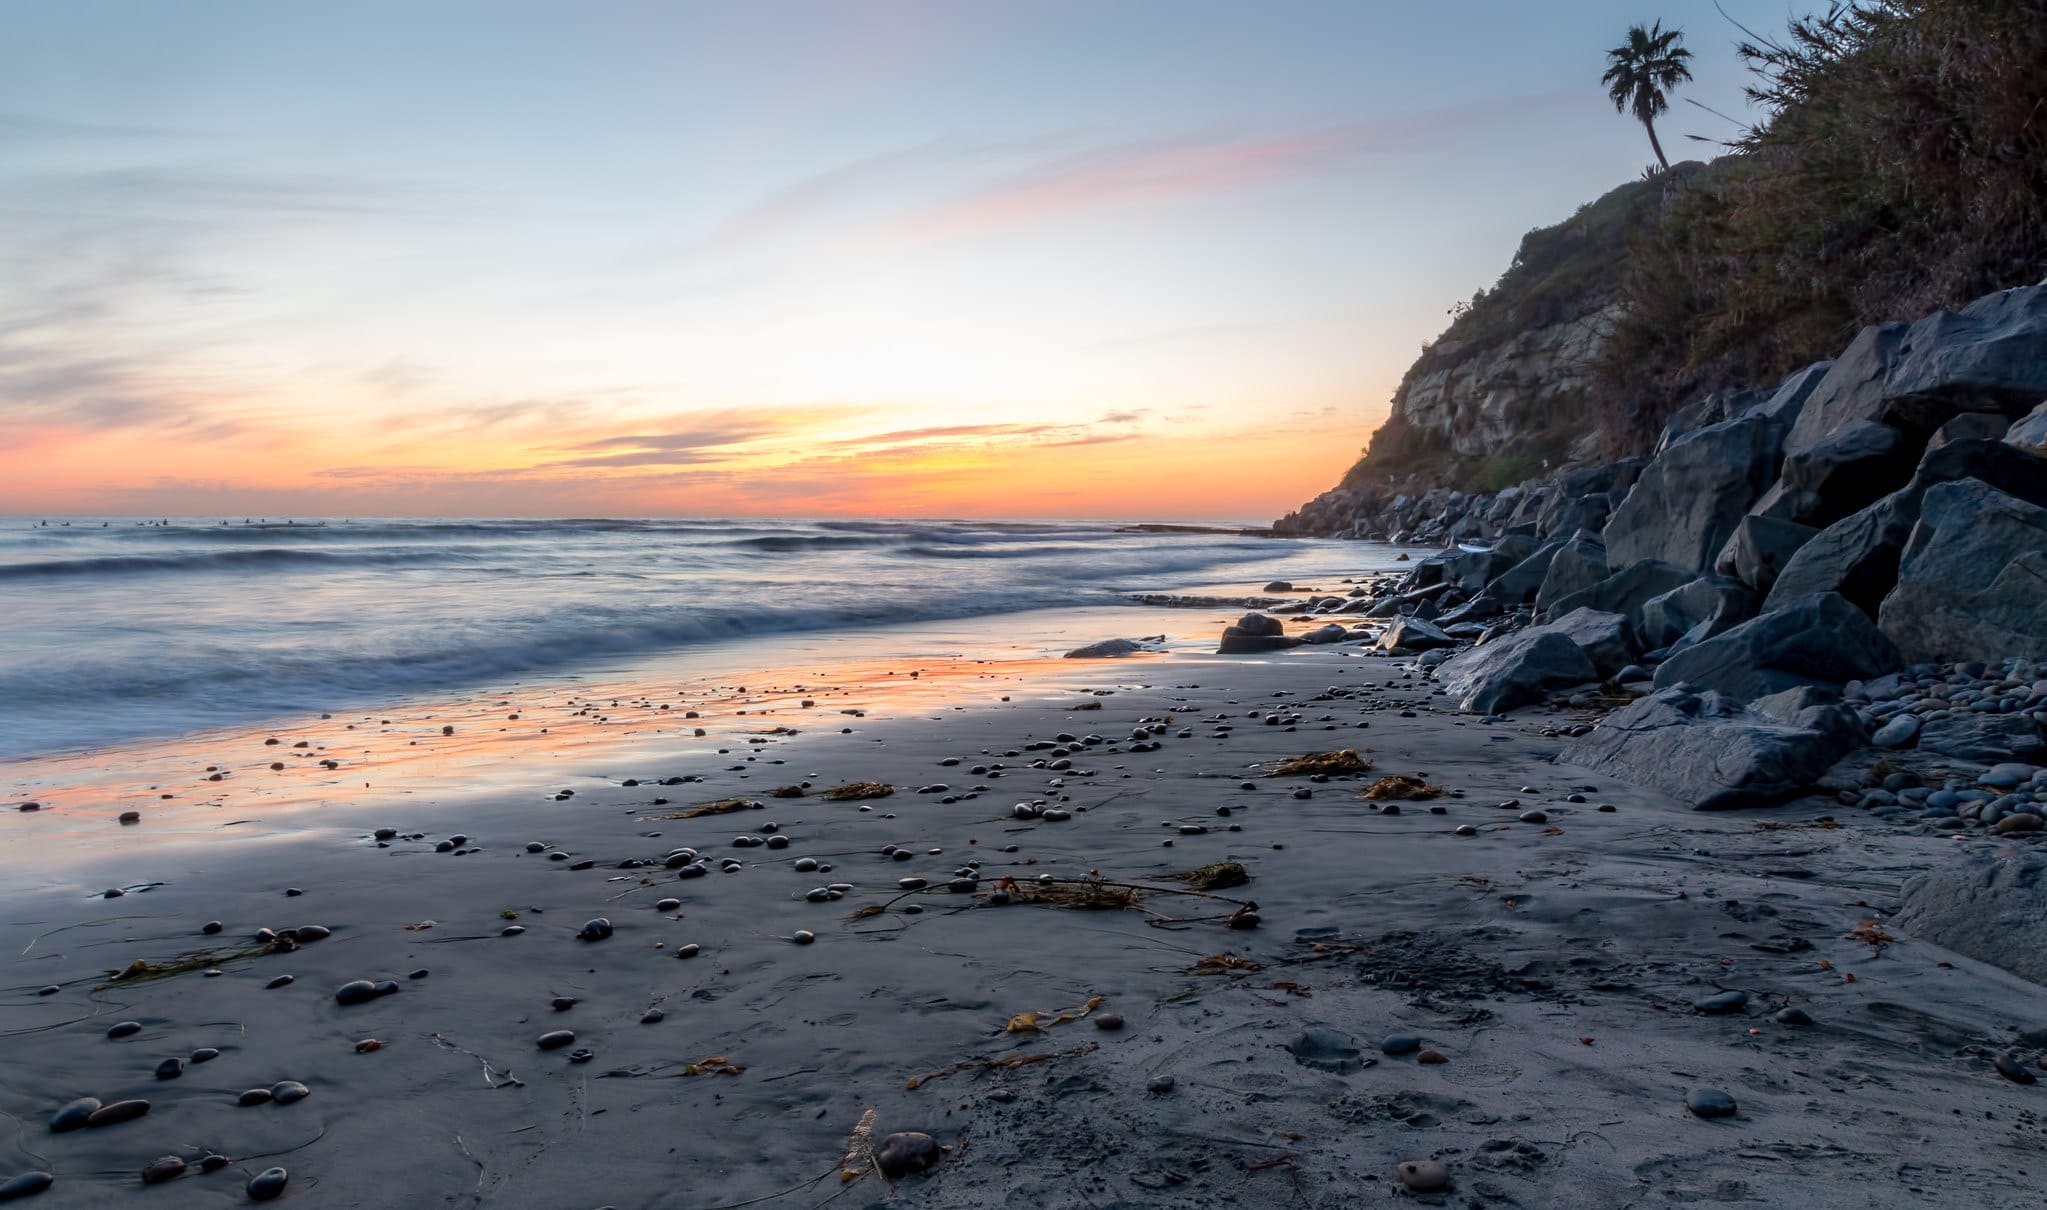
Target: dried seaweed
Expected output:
[1091,704]
[858,1159]
[724,806]
[1026,1023]
[1400,786]
[853,791]
[1081,894]
[1344,761]
[717,1065]
[140,971]
[1010,1064]
[1214,877]
[1225,964]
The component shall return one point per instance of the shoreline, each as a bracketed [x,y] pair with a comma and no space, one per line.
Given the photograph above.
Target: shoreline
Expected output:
[1557,964]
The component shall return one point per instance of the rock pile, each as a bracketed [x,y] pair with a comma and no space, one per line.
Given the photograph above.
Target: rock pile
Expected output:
[1784,551]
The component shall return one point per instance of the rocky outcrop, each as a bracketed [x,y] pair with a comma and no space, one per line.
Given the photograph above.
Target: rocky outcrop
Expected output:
[1712,752]
[1254,632]
[1992,908]
[1820,639]
[1692,495]
[1479,396]
[1972,583]
[1515,671]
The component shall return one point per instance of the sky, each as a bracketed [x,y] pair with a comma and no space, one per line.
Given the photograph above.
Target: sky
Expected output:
[1008,258]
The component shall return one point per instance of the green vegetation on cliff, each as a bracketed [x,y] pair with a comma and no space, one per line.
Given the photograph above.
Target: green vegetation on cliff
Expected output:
[1900,165]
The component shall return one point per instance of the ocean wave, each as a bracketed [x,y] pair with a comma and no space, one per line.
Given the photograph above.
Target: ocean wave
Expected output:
[222,560]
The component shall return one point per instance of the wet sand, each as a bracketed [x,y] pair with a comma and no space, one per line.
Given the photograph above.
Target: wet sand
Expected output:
[1555,966]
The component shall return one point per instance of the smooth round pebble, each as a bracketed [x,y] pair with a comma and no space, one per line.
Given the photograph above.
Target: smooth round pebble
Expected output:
[288,1091]
[355,991]
[803,936]
[74,1115]
[267,1184]
[1709,1103]
[556,1039]
[163,1168]
[28,1184]
[254,1096]
[906,1152]
[125,1029]
[1423,1176]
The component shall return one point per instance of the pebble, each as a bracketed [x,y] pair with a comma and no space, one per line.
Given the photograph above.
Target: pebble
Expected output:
[595,930]
[1159,1085]
[1432,1057]
[562,1004]
[2011,1068]
[803,936]
[162,1168]
[311,932]
[1793,1016]
[1423,1176]
[28,1184]
[805,865]
[170,1069]
[1326,1050]
[2019,821]
[124,1029]
[1108,1021]
[213,1162]
[555,1039]
[1533,817]
[1709,1103]
[355,991]
[74,1115]
[582,1054]
[653,1016]
[1722,1003]
[254,1096]
[667,905]
[51,990]
[688,951]
[1400,1044]
[1464,829]
[119,1111]
[905,1152]
[286,1092]
[267,1184]
[511,930]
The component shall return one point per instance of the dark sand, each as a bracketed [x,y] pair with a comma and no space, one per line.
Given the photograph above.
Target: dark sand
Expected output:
[1555,965]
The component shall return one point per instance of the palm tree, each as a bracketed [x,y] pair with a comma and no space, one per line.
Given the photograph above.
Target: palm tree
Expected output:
[1640,71]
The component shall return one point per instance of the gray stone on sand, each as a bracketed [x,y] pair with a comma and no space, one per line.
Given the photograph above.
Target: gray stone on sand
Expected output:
[1514,671]
[1709,1103]
[1107,649]
[1326,1049]
[28,1184]
[1822,638]
[1711,752]
[905,1152]
[1972,578]
[1413,634]
[1896,733]
[1992,908]
[1423,1176]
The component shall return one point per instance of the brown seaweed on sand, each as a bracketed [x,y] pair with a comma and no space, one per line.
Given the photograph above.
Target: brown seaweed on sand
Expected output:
[1345,761]
[854,790]
[1400,786]
[724,806]
[1214,877]
[1012,1064]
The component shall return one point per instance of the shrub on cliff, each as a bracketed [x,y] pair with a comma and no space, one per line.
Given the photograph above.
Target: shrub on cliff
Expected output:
[1901,166]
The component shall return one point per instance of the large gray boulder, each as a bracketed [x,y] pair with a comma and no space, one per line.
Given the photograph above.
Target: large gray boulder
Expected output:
[1759,550]
[1623,592]
[1853,466]
[2029,432]
[1820,639]
[1472,570]
[1605,638]
[1972,583]
[1990,356]
[1576,565]
[1694,612]
[1519,584]
[1414,634]
[1990,738]
[1692,495]
[1991,907]
[1517,670]
[1712,753]
[1255,632]
[1858,555]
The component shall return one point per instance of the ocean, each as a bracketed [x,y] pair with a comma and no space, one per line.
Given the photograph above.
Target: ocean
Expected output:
[117,630]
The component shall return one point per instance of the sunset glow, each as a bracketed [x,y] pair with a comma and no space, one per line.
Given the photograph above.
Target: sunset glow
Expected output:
[783,259]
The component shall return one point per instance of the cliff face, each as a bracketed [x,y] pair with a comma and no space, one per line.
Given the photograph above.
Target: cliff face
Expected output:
[1478,397]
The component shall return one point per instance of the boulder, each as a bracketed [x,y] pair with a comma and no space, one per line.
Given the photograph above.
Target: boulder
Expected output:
[1106,649]
[1626,591]
[1519,584]
[1760,547]
[1332,633]
[1694,612]
[1970,426]
[1255,632]
[1858,555]
[1992,908]
[1853,466]
[1787,402]
[1990,356]
[1712,753]
[2029,433]
[1972,583]
[1516,670]
[1990,738]
[1578,564]
[1851,389]
[1822,638]
[1692,495]
[1603,637]
[1413,634]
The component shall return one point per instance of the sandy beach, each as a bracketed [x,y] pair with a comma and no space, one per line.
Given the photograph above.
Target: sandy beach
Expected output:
[1522,978]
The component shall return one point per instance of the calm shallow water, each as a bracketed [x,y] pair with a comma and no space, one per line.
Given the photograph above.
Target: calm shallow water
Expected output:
[126,631]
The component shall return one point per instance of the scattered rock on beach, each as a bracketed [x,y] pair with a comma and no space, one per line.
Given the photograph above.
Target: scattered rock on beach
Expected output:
[1709,1103]
[267,1184]
[74,1115]
[905,1152]
[163,1168]
[28,1184]
[1423,1176]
